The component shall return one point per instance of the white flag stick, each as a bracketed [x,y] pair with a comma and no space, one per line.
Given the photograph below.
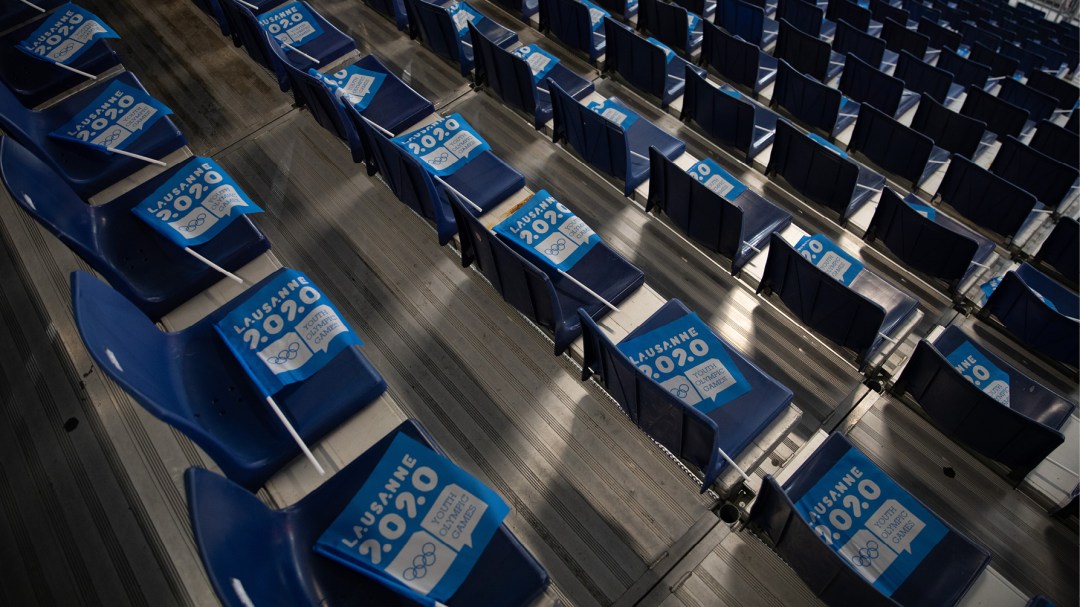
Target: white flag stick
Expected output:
[249,5]
[214,265]
[136,156]
[33,6]
[733,465]
[299,52]
[460,195]
[295,436]
[589,291]
[71,69]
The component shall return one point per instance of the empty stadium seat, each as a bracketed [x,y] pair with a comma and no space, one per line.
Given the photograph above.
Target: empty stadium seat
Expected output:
[576,25]
[625,9]
[1026,61]
[255,555]
[807,54]
[671,24]
[1066,93]
[747,22]
[849,40]
[1039,106]
[612,149]
[966,72]
[806,16]
[1050,181]
[989,201]
[1040,313]
[1061,251]
[868,85]
[899,38]
[1001,117]
[689,434]
[432,22]
[854,14]
[816,106]
[940,37]
[1056,142]
[230,15]
[949,130]
[882,9]
[901,151]
[643,64]
[1019,430]
[737,61]
[1001,67]
[923,78]
[727,117]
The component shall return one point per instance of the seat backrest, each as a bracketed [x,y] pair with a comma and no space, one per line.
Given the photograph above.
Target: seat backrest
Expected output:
[1000,65]
[965,71]
[1020,306]
[386,157]
[1066,93]
[1000,116]
[804,15]
[569,21]
[1039,105]
[600,142]
[741,19]
[882,10]
[727,119]
[734,59]
[899,38]
[806,99]
[891,145]
[432,24]
[802,51]
[844,10]
[850,40]
[1056,142]
[986,199]
[868,85]
[1047,179]
[693,6]
[1026,60]
[940,36]
[667,22]
[923,78]
[427,197]
[949,130]
[919,11]
[640,62]
[310,92]
[507,74]
[920,243]
[1061,250]
[617,7]
[821,175]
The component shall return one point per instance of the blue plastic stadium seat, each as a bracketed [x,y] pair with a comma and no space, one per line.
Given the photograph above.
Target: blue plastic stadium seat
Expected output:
[1047,179]
[747,22]
[868,85]
[807,54]
[670,24]
[940,36]
[919,12]
[193,382]
[85,169]
[1026,61]
[1039,106]
[569,21]
[1001,67]
[620,8]
[1056,142]
[856,16]
[1019,435]
[1040,313]
[941,578]
[966,72]
[849,40]
[1066,93]
[727,117]
[737,61]
[818,107]
[882,10]
[328,47]
[702,8]
[430,21]
[544,296]
[923,78]
[989,201]
[949,130]
[1001,117]
[899,38]
[1061,251]
[230,18]
[806,16]
[510,77]
[34,81]
[937,246]
[821,175]
[643,64]
[268,553]
[150,270]
[620,152]
[688,433]
[736,229]
[896,149]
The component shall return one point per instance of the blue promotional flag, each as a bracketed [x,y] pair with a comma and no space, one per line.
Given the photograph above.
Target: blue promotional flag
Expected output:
[615,112]
[690,361]
[829,258]
[115,118]
[926,211]
[419,521]
[668,53]
[596,14]
[443,146]
[714,177]
[461,14]
[66,34]
[355,85]
[197,203]
[540,61]
[549,231]
[828,145]
[291,24]
[876,527]
[285,332]
[980,371]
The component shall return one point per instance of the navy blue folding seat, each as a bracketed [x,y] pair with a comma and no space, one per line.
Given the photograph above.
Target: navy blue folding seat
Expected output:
[1073,123]
[746,21]
[827,177]
[940,36]
[625,9]
[643,64]
[85,169]
[989,201]
[670,24]
[976,35]
[1001,67]
[1001,117]
[1026,61]
[806,16]
[737,61]
[254,555]
[1040,313]
[899,38]
[689,434]
[1056,142]
[612,149]
[870,86]
[949,130]
[855,15]
[1040,106]
[382,157]
[736,229]
[1019,434]
[934,243]
[923,78]
[522,9]
[232,16]
[941,576]
[571,22]
[150,270]
[705,9]
[966,72]
[510,77]
[1066,93]
[917,11]
[811,103]
[1054,59]
[851,41]
[882,10]
[544,296]
[727,117]
[193,382]
[807,54]
[1061,251]
[35,81]
[432,23]
[901,151]
[332,44]
[858,316]
[1046,178]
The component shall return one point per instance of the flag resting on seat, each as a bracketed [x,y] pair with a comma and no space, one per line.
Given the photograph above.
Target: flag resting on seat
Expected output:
[714,177]
[540,61]
[978,369]
[66,34]
[355,85]
[444,146]
[549,231]
[615,112]
[828,257]
[114,119]
[291,24]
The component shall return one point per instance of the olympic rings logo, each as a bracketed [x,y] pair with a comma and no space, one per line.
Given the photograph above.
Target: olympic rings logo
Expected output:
[420,563]
[866,555]
[558,247]
[285,355]
[113,136]
[194,224]
[441,158]
[682,391]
